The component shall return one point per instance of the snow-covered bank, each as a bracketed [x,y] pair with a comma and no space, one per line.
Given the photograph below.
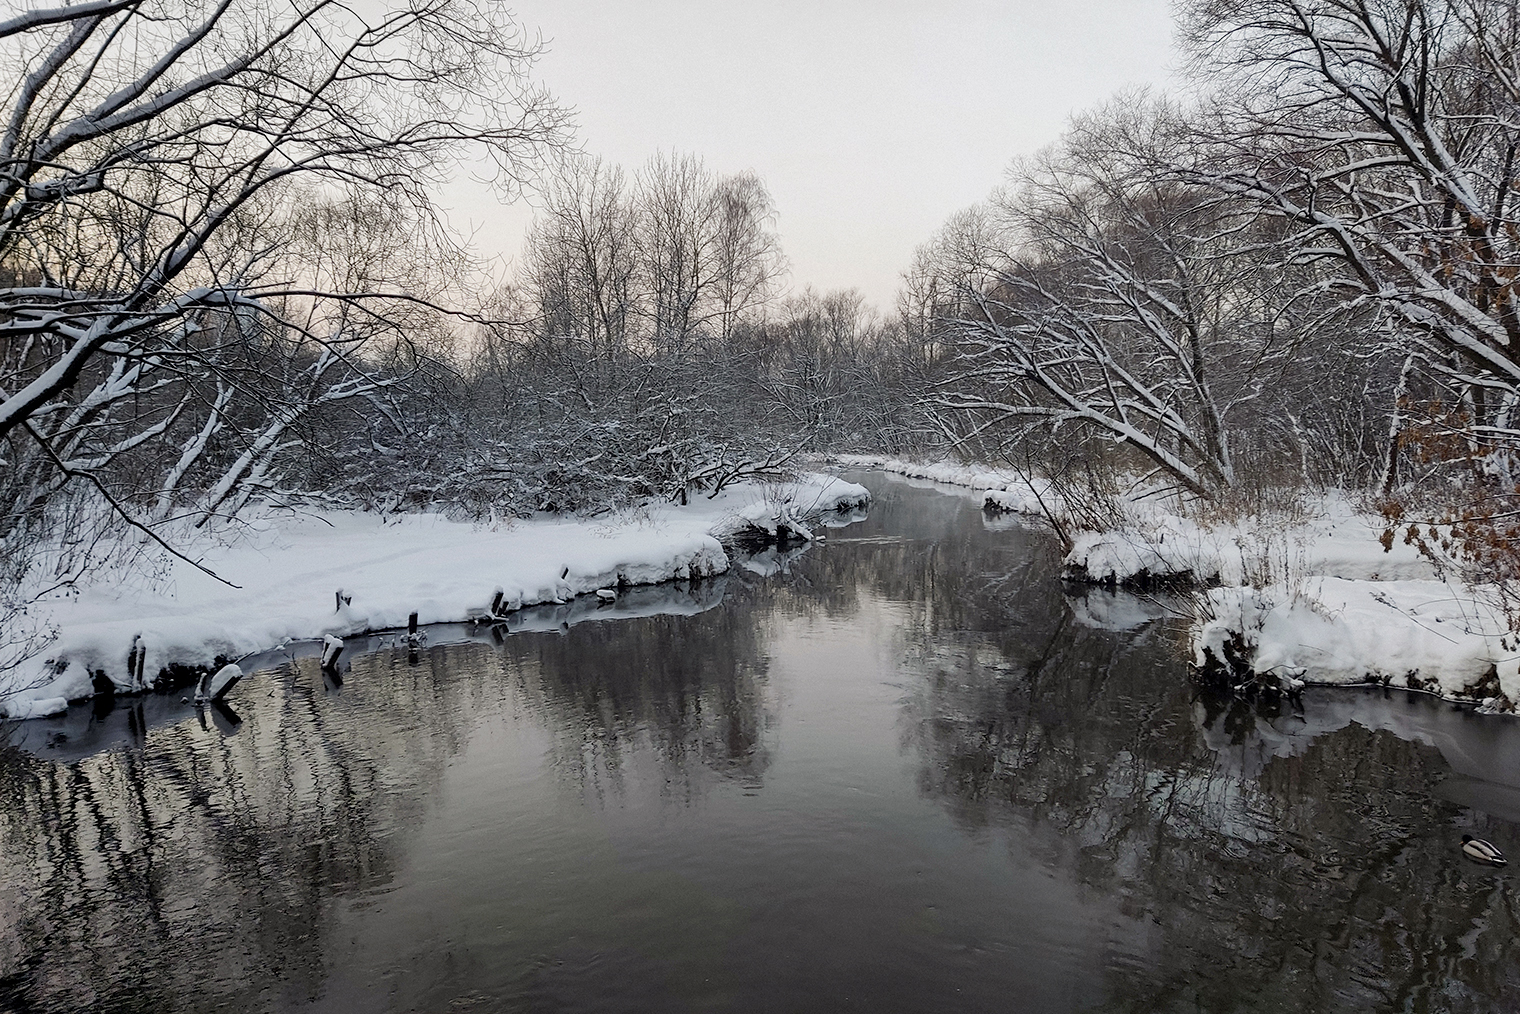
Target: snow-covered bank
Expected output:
[344,573]
[1303,592]
[951,473]
[1326,536]
[1312,596]
[1432,636]
[1000,491]
[84,732]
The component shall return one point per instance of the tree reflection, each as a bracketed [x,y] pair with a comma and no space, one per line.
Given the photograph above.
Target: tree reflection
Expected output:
[1322,879]
[691,692]
[190,868]
[204,862]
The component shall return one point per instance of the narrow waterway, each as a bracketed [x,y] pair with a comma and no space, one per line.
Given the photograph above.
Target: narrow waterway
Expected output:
[900,771]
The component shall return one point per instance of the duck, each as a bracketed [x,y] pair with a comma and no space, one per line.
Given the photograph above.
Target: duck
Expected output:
[1483,852]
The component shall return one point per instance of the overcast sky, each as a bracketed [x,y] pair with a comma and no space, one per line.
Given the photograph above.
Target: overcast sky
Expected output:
[870,122]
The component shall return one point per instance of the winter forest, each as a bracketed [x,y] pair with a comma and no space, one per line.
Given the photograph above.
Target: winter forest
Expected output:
[227,287]
[1122,615]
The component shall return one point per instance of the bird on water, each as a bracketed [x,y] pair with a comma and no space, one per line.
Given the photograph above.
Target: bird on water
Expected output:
[1481,851]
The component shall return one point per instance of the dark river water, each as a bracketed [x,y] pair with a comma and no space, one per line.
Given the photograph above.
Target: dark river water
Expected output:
[901,771]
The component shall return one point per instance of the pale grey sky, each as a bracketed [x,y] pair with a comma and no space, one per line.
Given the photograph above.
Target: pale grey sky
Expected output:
[871,122]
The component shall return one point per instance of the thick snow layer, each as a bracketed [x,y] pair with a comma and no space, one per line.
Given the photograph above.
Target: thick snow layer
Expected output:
[1022,497]
[1329,537]
[815,494]
[1421,635]
[304,576]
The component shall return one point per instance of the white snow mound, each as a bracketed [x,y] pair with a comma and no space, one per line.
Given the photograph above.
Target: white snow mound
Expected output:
[1420,635]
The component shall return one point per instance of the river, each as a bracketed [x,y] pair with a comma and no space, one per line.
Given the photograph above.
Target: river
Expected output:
[899,771]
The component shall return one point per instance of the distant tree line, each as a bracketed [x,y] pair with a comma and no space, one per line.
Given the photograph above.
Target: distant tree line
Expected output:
[224,281]
[645,349]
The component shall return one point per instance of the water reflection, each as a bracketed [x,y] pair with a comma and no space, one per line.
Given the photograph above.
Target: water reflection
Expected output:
[1292,855]
[900,770]
[695,700]
[183,868]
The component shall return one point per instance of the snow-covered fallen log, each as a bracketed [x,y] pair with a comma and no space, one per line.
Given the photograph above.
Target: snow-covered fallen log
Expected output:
[791,512]
[773,522]
[1022,497]
[214,686]
[816,494]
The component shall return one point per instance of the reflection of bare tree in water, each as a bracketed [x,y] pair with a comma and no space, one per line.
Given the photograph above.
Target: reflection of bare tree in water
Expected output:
[191,869]
[188,869]
[1328,881]
[689,690]
[1323,881]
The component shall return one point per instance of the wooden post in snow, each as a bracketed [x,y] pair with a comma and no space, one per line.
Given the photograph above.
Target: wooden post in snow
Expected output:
[332,647]
[414,637]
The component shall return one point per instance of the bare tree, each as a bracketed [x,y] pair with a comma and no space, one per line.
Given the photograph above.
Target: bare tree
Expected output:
[136,135]
[1384,135]
[748,264]
[191,202]
[1122,301]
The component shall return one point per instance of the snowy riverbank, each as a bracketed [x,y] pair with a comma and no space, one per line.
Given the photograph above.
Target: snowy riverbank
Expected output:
[1429,636]
[304,576]
[1302,594]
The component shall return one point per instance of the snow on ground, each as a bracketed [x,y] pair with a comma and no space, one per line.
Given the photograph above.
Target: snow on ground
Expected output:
[1328,536]
[1311,596]
[290,569]
[1425,635]
[1306,593]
